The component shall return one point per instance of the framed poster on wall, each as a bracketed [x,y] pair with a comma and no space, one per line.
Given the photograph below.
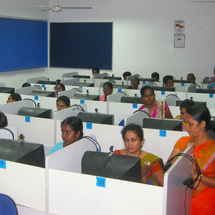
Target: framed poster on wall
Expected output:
[179,40]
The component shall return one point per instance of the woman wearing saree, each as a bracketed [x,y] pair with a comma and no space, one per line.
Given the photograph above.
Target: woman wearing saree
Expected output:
[151,165]
[157,109]
[198,123]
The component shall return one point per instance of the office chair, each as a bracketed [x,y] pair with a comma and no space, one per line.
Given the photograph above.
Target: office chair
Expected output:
[7,205]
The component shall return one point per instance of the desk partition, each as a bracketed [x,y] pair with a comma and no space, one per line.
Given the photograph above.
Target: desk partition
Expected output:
[13,108]
[158,142]
[75,193]
[61,189]
[37,130]
[24,183]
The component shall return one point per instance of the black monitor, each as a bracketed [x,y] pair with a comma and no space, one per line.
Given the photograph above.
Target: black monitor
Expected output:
[81,76]
[163,124]
[97,118]
[164,88]
[123,86]
[22,152]
[112,166]
[112,78]
[147,79]
[47,82]
[181,81]
[43,93]
[7,90]
[86,96]
[36,112]
[178,103]
[83,84]
[130,99]
[209,91]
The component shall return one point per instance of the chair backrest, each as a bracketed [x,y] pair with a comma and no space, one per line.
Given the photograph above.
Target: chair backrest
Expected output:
[7,205]
[70,93]
[138,117]
[100,76]
[116,97]
[171,99]
[206,80]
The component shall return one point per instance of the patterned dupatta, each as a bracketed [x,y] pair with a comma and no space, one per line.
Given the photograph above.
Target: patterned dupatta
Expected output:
[160,109]
[205,156]
[150,164]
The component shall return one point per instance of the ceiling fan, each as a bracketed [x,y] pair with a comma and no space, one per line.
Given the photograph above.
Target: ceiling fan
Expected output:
[57,8]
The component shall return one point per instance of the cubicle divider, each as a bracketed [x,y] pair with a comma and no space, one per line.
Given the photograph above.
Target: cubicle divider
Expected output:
[4,98]
[36,130]
[158,142]
[13,108]
[177,198]
[204,97]
[121,110]
[61,189]
[36,79]
[28,90]
[9,132]
[25,184]
[80,194]
[137,117]
[66,159]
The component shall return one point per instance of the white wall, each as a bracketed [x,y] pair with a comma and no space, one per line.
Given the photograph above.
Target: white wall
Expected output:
[143,35]
[22,9]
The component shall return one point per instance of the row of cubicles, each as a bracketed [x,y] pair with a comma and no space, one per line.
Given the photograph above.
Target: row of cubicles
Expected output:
[60,188]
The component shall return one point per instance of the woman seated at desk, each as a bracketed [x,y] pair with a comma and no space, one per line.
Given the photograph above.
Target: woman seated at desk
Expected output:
[58,88]
[151,165]
[157,109]
[107,89]
[14,97]
[198,123]
[72,131]
[62,102]
[3,120]
[183,107]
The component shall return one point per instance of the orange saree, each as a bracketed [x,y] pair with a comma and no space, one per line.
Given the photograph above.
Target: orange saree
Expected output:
[203,198]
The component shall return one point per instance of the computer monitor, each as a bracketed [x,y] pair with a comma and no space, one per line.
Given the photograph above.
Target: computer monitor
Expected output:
[209,91]
[112,166]
[86,96]
[181,81]
[97,118]
[7,90]
[43,93]
[178,103]
[163,88]
[81,76]
[130,99]
[112,78]
[47,82]
[22,152]
[163,124]
[83,84]
[36,112]
[147,79]
[123,86]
